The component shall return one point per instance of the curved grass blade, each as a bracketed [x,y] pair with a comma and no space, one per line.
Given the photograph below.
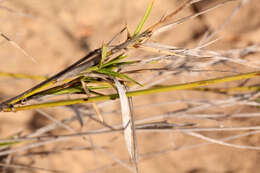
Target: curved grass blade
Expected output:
[126,119]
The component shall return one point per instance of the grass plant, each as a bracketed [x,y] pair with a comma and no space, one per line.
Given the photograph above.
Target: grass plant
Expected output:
[108,73]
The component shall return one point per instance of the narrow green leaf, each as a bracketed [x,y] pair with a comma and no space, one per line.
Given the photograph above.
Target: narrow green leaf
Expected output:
[130,79]
[115,60]
[7,144]
[116,74]
[108,72]
[90,69]
[98,87]
[141,24]
[103,55]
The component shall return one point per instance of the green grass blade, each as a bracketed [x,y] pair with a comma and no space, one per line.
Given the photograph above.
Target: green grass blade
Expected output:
[103,55]
[7,144]
[141,24]
[118,75]
[130,79]
[115,61]
[23,76]
[90,69]
[108,72]
[154,90]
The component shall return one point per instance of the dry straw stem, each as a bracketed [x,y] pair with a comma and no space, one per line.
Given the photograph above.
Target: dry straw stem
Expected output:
[159,127]
[94,146]
[153,154]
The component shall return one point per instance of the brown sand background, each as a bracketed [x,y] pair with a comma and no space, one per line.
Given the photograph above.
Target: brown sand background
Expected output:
[57,33]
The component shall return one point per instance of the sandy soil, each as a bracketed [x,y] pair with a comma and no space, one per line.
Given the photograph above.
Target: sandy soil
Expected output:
[57,33]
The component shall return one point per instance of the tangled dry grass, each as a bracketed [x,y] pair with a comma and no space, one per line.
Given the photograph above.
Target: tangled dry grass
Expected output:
[189,98]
